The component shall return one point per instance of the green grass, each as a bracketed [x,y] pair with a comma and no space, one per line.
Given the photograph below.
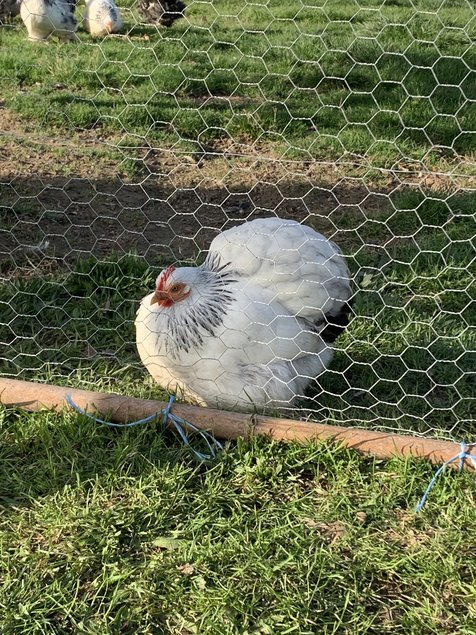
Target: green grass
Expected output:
[406,361]
[122,532]
[313,80]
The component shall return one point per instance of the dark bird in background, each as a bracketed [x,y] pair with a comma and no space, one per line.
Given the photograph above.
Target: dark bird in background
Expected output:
[162,12]
[9,8]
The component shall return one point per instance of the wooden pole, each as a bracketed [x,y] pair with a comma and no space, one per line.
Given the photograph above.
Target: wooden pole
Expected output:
[227,425]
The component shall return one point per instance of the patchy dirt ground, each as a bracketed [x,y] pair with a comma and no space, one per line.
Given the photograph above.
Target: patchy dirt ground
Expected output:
[65,197]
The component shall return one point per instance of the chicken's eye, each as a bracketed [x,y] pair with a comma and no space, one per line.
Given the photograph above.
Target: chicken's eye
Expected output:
[175,288]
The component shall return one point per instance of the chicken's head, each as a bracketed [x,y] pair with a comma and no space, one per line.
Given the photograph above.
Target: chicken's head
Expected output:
[170,288]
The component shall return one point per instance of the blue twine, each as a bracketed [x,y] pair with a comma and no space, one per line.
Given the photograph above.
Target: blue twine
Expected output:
[180,425]
[461,456]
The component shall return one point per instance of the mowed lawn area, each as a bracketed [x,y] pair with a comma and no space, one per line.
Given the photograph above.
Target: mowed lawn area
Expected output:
[111,532]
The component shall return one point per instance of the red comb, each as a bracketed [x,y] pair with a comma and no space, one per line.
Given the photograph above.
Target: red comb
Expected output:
[164,277]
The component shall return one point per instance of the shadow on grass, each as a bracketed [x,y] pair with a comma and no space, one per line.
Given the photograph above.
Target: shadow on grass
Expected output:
[45,453]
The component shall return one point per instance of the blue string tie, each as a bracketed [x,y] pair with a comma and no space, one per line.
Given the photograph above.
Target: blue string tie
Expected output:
[461,456]
[181,426]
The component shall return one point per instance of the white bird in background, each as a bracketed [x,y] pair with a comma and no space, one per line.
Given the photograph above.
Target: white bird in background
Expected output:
[102,17]
[252,326]
[44,18]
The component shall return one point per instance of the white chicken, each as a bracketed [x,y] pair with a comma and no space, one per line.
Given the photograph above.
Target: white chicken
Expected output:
[45,18]
[251,327]
[102,17]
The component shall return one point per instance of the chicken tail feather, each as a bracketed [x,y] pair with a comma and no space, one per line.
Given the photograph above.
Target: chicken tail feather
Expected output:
[336,324]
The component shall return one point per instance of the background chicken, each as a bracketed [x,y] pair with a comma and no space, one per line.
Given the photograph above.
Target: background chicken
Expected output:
[102,17]
[251,327]
[9,8]
[44,18]
[163,12]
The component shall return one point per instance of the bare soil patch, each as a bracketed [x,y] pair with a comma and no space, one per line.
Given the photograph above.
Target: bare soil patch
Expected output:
[66,197]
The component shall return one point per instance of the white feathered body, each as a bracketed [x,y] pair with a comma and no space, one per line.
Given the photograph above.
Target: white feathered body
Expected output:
[248,335]
[102,17]
[258,355]
[304,270]
[43,18]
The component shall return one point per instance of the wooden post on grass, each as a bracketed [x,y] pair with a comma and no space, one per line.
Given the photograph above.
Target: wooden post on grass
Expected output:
[227,425]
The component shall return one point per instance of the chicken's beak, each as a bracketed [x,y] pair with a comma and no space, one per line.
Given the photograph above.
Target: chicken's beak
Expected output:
[159,296]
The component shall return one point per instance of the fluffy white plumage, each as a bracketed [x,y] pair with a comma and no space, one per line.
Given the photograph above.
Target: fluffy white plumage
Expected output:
[44,18]
[102,17]
[305,271]
[249,329]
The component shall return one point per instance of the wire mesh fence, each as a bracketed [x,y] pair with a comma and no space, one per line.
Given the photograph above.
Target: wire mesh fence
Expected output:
[125,154]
